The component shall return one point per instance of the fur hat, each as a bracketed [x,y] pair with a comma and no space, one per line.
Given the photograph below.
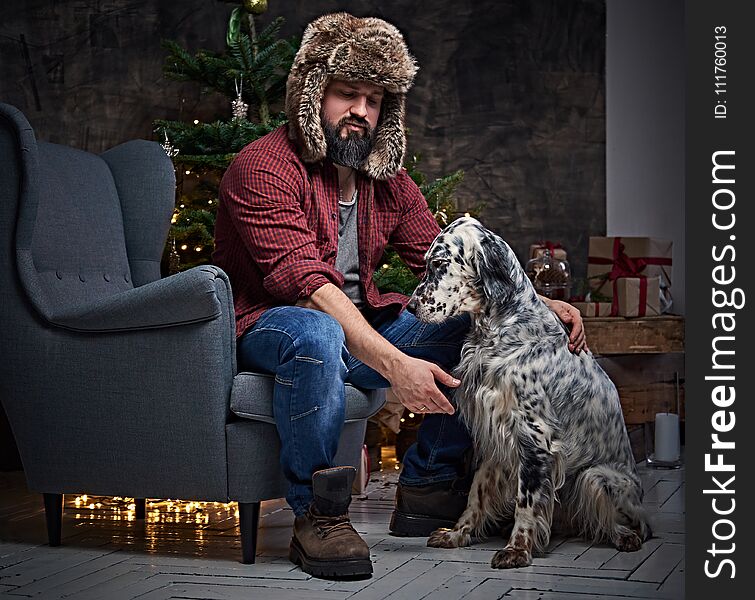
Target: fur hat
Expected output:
[340,46]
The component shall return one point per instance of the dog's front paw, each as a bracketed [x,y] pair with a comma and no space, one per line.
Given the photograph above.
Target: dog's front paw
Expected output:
[511,558]
[448,538]
[629,542]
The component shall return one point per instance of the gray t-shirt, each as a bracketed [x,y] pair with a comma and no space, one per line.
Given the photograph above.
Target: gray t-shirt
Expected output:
[347,259]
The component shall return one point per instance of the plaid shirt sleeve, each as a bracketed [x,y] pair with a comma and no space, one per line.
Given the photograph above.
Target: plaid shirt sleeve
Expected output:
[262,193]
[417,227]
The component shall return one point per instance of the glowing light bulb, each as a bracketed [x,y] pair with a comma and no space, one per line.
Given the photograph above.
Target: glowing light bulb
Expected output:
[196,121]
[403,419]
[411,415]
[198,248]
[184,247]
[467,214]
[188,172]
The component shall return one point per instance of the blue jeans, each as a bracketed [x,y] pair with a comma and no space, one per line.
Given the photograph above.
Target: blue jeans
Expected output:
[305,350]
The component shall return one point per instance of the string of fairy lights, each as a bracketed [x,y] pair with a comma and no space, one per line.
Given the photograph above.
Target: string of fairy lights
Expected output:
[120,508]
[198,515]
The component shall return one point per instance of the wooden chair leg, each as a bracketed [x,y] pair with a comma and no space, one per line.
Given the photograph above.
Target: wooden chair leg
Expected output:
[54,517]
[249,518]
[141,508]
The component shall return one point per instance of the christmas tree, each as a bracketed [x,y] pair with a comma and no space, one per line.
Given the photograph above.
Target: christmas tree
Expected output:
[393,275]
[251,73]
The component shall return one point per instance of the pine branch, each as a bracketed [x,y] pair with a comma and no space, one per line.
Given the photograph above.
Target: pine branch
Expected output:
[396,276]
[260,65]
[441,190]
[216,138]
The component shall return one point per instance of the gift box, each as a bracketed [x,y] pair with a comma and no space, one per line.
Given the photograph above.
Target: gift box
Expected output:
[538,249]
[638,296]
[610,258]
[593,309]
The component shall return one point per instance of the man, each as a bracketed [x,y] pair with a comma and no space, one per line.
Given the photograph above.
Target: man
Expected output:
[304,217]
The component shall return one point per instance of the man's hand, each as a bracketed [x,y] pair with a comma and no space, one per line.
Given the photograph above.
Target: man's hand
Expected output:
[572,318]
[412,379]
[413,383]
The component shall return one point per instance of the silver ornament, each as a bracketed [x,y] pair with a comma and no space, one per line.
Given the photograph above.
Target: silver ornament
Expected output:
[238,105]
[168,147]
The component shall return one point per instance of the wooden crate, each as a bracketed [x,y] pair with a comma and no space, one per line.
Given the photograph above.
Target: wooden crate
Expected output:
[647,383]
[640,402]
[646,335]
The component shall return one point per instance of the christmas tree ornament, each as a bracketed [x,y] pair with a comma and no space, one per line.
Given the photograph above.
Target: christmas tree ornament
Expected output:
[234,26]
[238,105]
[255,7]
[168,147]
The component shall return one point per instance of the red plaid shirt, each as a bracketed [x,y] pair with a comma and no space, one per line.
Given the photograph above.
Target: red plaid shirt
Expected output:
[276,233]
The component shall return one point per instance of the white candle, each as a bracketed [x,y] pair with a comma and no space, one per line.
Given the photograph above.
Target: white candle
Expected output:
[667,437]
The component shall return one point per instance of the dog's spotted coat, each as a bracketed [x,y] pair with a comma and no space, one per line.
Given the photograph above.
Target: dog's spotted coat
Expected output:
[547,424]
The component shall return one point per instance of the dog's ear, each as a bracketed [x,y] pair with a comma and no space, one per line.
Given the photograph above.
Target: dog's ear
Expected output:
[493,271]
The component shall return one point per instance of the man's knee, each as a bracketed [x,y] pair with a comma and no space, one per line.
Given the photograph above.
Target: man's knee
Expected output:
[320,336]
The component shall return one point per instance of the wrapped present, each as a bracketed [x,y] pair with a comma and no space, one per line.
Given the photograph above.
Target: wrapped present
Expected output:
[637,296]
[610,258]
[593,309]
[538,249]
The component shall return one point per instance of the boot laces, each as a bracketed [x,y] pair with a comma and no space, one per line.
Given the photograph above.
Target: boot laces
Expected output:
[326,525]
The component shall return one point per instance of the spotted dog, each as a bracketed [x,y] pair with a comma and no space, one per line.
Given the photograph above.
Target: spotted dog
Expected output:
[547,423]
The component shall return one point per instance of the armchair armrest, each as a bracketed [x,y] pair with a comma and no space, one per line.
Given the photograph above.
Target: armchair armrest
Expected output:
[187,297]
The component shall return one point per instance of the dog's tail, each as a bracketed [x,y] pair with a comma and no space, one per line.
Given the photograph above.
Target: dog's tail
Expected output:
[605,504]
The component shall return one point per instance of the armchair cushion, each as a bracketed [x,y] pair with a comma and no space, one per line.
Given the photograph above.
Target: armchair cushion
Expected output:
[252,398]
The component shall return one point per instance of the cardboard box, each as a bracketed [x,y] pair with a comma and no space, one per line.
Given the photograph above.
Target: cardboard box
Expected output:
[539,248]
[593,309]
[643,255]
[639,296]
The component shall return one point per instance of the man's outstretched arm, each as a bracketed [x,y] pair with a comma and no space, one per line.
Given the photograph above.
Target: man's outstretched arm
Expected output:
[412,379]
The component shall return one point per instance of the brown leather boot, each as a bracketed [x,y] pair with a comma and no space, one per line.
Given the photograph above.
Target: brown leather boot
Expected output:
[324,542]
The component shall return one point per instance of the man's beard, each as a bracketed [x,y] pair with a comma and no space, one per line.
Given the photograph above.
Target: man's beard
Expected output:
[353,150]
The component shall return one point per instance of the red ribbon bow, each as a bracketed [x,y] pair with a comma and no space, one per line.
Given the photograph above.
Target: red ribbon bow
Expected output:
[548,245]
[625,266]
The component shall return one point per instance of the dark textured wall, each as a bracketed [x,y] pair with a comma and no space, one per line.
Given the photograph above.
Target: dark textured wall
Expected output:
[510,91]
[89,72]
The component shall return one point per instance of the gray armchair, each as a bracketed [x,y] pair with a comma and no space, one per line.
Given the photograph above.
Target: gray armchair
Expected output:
[111,376]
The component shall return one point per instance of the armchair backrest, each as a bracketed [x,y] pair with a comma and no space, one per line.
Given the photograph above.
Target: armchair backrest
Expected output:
[78,248]
[86,226]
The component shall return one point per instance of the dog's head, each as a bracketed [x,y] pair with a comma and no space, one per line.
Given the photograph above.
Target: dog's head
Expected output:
[468,269]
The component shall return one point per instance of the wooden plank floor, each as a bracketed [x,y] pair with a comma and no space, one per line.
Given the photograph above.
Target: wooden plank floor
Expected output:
[192,551]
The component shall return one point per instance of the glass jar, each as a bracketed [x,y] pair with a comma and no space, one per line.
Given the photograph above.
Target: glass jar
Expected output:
[550,276]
